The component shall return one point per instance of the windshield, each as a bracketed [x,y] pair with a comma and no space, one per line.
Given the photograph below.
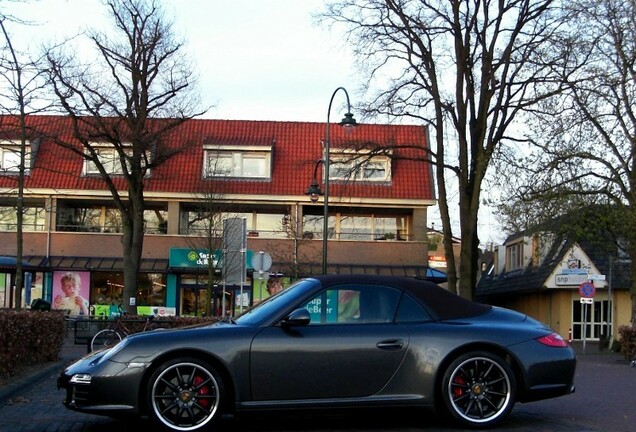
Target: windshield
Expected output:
[276,304]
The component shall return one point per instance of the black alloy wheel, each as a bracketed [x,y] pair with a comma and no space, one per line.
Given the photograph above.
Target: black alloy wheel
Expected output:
[479,389]
[185,394]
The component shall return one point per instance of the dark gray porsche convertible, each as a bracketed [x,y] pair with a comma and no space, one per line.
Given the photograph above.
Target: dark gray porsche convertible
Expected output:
[332,342]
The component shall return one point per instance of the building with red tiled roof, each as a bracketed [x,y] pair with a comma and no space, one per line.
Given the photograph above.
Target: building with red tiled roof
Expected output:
[381,186]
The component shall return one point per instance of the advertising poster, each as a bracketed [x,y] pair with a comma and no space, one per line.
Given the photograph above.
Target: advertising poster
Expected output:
[70,292]
[3,290]
[158,311]
[104,311]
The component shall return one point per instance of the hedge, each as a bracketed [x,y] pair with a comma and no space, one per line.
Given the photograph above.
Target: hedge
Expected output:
[29,338]
[627,341]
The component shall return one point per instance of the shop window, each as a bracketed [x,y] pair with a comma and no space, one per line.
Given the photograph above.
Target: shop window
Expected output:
[107,289]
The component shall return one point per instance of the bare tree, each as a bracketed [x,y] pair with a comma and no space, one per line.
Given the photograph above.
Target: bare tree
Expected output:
[205,231]
[22,83]
[585,139]
[122,107]
[464,68]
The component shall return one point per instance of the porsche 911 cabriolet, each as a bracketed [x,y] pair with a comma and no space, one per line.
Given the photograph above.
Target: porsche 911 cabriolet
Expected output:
[331,342]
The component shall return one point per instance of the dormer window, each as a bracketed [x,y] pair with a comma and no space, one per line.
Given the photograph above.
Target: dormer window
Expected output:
[514,256]
[108,157]
[353,166]
[10,157]
[238,162]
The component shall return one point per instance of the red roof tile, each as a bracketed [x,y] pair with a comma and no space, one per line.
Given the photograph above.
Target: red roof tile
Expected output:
[296,146]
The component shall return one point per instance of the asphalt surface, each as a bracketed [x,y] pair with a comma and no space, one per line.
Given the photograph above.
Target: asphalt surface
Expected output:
[605,400]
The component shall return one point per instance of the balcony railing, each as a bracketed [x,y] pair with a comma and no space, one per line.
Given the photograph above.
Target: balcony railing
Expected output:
[106,229]
[25,227]
[314,235]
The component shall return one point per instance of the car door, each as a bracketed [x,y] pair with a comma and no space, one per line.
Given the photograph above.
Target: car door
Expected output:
[351,347]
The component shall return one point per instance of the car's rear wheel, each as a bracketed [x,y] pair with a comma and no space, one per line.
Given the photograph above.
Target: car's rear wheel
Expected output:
[479,389]
[185,394]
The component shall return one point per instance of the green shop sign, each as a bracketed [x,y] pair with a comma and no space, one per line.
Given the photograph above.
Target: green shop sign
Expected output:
[200,258]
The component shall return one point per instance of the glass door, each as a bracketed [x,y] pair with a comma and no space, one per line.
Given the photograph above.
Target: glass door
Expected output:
[595,316]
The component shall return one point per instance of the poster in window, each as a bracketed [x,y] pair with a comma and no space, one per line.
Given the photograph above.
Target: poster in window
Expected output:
[70,292]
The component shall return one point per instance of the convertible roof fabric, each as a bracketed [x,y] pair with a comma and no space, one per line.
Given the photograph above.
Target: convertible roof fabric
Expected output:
[443,303]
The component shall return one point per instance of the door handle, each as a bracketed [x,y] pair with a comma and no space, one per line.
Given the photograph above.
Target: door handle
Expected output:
[391,344]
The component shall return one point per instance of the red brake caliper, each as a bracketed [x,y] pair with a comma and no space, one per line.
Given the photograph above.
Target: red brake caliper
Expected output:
[205,390]
[458,390]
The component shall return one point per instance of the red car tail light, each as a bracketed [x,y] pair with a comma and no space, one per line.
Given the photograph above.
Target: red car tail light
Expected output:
[553,340]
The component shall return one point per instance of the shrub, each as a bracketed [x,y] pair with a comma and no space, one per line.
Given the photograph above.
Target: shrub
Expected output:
[29,338]
[136,323]
[627,341]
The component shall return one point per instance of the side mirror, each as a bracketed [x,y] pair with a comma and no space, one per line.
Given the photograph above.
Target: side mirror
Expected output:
[299,317]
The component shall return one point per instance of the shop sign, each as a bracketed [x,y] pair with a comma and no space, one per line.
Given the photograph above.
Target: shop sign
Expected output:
[570,279]
[188,258]
[198,258]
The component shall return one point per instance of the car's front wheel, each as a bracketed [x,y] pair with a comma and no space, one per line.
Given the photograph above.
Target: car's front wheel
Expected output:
[185,394]
[479,389]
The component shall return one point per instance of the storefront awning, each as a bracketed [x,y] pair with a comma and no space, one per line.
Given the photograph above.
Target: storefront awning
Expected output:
[44,263]
[9,262]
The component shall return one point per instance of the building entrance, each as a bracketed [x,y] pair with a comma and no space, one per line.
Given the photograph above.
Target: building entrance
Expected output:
[597,320]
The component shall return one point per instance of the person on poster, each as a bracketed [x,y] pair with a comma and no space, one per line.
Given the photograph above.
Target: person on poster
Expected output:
[72,301]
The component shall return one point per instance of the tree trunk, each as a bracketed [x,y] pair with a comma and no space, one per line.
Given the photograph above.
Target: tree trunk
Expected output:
[132,243]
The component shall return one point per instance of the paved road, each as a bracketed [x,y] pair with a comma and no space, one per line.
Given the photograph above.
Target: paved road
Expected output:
[605,400]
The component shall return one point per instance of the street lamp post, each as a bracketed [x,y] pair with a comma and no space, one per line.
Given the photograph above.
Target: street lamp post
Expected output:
[314,190]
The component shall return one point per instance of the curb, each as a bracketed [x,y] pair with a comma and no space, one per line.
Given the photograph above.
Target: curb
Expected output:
[7,391]
[68,354]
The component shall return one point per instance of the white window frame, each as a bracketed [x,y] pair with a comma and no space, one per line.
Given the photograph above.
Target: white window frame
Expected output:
[514,256]
[109,157]
[10,157]
[347,166]
[234,161]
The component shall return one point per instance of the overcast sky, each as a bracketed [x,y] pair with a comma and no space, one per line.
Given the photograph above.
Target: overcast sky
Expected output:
[256,59]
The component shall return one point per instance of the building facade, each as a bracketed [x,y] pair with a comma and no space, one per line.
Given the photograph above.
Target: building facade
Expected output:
[579,288]
[381,186]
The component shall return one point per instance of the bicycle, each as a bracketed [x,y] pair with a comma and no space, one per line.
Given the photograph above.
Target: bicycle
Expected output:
[115,332]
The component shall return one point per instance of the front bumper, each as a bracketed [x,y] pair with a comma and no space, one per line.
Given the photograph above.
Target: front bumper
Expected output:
[106,387]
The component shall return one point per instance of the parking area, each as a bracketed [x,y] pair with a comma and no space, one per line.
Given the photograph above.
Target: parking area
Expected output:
[603,401]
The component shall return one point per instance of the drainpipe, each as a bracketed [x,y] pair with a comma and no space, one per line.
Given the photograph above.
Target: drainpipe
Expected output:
[48,230]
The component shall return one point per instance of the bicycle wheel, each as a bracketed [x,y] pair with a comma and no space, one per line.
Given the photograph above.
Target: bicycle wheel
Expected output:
[105,339]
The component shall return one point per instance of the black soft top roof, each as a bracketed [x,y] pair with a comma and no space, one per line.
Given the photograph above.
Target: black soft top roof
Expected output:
[443,303]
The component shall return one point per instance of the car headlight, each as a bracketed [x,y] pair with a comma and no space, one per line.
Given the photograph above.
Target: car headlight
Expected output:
[81,378]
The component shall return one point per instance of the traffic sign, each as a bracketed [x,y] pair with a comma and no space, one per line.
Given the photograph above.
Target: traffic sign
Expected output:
[587,300]
[587,289]
[262,261]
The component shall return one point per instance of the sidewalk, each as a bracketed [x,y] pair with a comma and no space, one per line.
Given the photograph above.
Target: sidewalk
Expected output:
[69,353]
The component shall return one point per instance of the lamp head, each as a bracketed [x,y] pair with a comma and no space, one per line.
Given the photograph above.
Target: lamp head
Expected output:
[314,191]
[348,121]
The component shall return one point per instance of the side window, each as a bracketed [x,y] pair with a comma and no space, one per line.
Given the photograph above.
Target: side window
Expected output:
[411,311]
[362,304]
